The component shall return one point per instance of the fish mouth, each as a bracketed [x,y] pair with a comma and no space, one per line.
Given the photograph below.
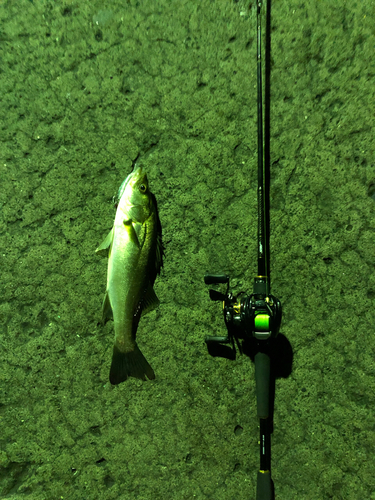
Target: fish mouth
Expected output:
[131,179]
[135,175]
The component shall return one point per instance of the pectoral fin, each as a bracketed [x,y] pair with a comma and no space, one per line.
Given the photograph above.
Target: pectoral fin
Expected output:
[129,226]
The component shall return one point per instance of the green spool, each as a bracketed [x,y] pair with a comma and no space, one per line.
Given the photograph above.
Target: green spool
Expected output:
[262,322]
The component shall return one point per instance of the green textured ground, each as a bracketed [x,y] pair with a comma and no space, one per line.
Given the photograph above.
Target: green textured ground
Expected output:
[84,87]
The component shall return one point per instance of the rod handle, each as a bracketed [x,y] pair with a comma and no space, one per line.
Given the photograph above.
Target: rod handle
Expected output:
[265,489]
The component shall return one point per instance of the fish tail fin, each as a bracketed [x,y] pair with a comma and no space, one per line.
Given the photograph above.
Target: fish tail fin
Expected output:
[129,364]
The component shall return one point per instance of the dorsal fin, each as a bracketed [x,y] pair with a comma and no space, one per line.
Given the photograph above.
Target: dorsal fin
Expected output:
[149,301]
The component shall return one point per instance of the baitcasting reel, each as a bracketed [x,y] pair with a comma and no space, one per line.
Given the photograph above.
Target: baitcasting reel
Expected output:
[257,315]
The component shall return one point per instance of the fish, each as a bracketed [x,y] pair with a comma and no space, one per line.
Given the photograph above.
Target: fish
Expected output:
[135,257]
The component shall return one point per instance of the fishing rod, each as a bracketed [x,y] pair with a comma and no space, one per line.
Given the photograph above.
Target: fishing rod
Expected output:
[255,319]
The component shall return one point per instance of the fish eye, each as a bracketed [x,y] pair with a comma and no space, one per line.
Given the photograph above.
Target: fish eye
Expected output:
[143,188]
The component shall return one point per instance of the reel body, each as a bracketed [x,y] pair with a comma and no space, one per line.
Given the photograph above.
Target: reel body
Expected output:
[246,316]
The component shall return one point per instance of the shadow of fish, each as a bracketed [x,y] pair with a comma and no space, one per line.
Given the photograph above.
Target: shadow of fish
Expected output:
[135,256]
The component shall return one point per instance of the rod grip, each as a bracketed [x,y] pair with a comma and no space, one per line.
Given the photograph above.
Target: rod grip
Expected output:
[262,380]
[265,489]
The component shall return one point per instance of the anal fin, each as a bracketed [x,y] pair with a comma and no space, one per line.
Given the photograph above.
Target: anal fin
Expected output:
[107,312]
